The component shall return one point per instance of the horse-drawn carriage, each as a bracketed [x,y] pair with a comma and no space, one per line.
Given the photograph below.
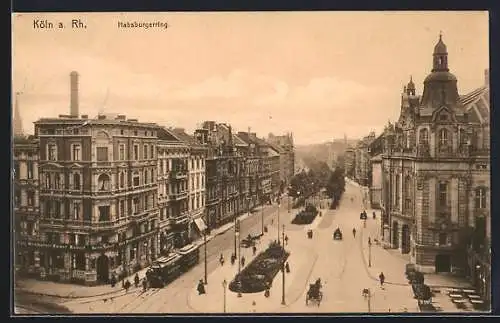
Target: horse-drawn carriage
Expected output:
[314,293]
[337,234]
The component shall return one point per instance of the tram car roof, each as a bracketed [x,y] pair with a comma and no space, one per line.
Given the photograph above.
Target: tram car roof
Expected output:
[164,261]
[187,249]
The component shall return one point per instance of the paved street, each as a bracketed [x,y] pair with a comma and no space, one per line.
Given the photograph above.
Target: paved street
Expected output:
[341,265]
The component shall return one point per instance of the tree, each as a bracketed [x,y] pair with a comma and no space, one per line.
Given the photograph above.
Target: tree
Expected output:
[336,186]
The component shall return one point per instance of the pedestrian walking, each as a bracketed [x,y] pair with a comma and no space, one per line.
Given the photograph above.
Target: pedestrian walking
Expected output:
[233,258]
[126,285]
[286,240]
[201,287]
[221,260]
[381,278]
[254,250]
[113,280]
[374,215]
[144,285]
[354,232]
[243,261]
[287,267]
[267,292]
[136,280]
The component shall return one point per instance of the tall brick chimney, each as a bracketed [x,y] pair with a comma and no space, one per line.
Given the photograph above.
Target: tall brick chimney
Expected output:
[73,110]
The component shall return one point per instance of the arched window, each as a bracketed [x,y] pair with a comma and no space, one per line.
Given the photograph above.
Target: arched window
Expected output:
[57,181]
[408,192]
[423,136]
[443,137]
[135,179]
[122,179]
[48,183]
[480,198]
[398,191]
[463,136]
[76,181]
[103,182]
[443,194]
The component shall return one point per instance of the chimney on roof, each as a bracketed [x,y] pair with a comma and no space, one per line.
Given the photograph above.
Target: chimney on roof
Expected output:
[73,110]
[487,77]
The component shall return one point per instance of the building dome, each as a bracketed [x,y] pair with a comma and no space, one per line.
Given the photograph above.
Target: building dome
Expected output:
[440,76]
[440,47]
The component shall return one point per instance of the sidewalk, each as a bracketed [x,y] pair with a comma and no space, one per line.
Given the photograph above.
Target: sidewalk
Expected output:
[67,290]
[301,261]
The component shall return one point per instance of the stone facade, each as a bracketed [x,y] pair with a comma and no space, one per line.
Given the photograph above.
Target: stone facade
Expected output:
[98,197]
[435,172]
[26,204]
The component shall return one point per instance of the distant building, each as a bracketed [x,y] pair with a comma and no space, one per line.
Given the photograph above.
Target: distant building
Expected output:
[362,160]
[376,182]
[285,142]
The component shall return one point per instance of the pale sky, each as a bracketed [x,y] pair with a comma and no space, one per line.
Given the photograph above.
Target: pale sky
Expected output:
[317,74]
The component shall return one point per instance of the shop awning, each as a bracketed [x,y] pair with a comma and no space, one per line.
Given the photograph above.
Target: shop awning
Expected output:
[200,224]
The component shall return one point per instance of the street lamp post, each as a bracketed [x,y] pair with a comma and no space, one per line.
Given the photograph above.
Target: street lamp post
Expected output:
[239,262]
[205,251]
[369,252]
[283,270]
[262,218]
[367,293]
[224,285]
[279,203]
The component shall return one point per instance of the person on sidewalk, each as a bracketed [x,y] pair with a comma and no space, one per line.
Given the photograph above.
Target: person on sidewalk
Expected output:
[287,267]
[221,260]
[254,250]
[201,287]
[381,277]
[286,240]
[136,280]
[126,285]
[243,261]
[144,285]
[233,258]
[113,280]
[267,292]
[354,232]
[374,215]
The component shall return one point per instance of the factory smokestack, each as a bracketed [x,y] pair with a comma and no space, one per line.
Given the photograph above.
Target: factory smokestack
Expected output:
[74,94]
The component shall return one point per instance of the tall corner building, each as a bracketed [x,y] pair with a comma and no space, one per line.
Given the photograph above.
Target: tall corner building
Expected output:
[436,176]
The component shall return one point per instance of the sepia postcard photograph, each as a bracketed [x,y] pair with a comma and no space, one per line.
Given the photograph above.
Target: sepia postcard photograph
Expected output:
[251,162]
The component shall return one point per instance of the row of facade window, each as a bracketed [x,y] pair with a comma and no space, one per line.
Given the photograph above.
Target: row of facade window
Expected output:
[148,152]
[29,170]
[443,137]
[56,180]
[442,194]
[30,198]
[56,209]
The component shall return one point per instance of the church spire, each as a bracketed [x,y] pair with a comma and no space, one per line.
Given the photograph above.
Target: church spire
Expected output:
[17,123]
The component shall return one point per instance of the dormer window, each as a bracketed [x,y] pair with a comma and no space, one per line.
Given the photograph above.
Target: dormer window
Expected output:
[423,136]
[443,137]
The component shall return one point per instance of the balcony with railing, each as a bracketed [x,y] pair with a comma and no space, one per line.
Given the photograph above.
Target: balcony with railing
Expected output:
[179,174]
[180,217]
[178,195]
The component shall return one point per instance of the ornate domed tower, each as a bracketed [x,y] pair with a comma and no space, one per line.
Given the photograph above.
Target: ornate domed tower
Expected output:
[440,86]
